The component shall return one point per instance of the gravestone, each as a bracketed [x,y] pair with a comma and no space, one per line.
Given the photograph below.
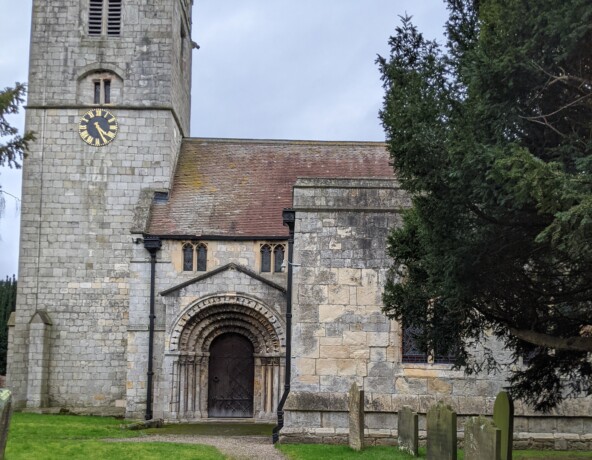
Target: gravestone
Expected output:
[356,418]
[5,414]
[482,439]
[503,417]
[441,426]
[407,429]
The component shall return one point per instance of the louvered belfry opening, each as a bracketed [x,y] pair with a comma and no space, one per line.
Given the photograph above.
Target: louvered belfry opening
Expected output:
[95,17]
[114,17]
[104,17]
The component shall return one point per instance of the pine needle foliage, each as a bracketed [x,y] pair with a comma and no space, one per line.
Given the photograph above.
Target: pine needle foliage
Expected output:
[491,133]
[12,145]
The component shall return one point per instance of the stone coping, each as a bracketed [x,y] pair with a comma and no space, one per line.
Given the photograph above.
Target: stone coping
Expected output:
[391,403]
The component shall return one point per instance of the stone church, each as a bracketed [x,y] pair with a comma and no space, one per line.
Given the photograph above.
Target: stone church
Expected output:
[191,278]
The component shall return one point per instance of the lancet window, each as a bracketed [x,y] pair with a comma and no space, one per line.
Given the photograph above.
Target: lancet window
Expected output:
[195,257]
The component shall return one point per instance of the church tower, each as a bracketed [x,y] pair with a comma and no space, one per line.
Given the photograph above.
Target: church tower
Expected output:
[109,102]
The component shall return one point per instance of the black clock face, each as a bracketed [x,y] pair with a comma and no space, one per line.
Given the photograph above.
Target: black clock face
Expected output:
[98,127]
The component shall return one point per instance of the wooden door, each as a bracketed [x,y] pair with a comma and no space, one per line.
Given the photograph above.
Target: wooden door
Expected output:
[230,380]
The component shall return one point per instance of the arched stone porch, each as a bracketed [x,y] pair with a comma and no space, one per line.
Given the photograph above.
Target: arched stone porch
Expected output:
[188,352]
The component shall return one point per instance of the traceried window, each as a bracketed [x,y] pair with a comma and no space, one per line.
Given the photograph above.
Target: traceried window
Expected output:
[104,17]
[414,352]
[272,258]
[193,252]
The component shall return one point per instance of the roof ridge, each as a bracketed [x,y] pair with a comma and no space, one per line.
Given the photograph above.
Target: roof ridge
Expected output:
[230,140]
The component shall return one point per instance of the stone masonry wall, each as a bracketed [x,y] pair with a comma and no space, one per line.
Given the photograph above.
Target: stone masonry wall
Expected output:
[169,274]
[147,55]
[341,336]
[80,202]
[78,209]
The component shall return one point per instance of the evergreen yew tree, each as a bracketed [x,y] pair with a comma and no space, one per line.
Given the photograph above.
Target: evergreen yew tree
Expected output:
[492,136]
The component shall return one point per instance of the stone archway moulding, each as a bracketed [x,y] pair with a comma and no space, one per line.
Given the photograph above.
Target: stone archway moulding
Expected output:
[217,301]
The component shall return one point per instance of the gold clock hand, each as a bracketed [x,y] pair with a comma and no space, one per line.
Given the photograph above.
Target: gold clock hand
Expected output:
[100,131]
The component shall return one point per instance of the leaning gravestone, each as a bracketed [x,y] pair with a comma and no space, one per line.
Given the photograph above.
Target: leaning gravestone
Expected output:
[407,429]
[441,426]
[503,417]
[482,439]
[356,418]
[5,414]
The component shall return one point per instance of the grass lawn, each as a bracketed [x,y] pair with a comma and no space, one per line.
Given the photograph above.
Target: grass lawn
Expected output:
[319,451]
[61,437]
[57,437]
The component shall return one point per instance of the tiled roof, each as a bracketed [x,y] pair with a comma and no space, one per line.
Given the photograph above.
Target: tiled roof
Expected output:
[230,187]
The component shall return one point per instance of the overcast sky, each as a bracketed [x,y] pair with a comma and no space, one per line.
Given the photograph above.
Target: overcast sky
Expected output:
[267,69]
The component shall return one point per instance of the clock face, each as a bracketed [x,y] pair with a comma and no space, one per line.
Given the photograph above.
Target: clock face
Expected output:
[98,127]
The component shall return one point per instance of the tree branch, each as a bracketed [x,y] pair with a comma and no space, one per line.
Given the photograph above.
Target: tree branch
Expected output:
[544,117]
[549,341]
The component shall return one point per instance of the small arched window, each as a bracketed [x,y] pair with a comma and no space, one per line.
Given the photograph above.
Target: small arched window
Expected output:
[278,258]
[202,257]
[187,257]
[266,258]
[100,87]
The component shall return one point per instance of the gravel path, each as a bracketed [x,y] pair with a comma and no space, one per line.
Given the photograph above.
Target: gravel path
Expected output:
[235,447]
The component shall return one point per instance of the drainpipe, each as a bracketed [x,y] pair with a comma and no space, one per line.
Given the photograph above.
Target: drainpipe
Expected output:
[152,244]
[289,217]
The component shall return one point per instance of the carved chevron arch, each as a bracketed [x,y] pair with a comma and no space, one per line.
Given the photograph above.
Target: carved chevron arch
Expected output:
[206,318]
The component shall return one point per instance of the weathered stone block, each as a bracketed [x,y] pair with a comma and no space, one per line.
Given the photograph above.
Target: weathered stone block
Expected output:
[439,386]
[379,421]
[330,313]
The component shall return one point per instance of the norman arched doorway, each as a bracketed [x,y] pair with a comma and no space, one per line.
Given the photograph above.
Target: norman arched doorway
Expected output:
[226,359]
[231,374]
